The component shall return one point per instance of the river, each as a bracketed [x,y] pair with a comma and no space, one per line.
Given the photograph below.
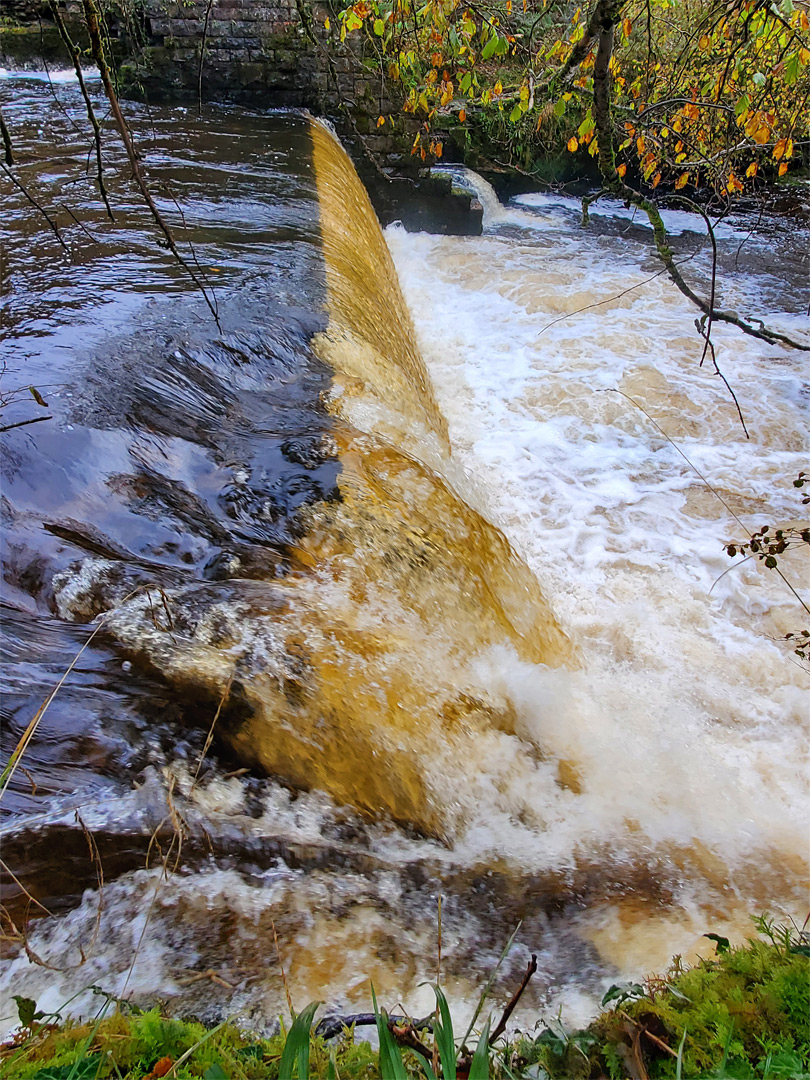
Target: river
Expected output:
[427,536]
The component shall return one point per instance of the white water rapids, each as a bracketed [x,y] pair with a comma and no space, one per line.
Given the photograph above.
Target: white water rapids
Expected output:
[653,790]
[686,727]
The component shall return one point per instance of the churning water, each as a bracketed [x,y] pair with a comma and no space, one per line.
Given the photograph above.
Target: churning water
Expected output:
[451,604]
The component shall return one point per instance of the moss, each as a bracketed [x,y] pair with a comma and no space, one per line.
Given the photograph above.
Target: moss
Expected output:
[745,1013]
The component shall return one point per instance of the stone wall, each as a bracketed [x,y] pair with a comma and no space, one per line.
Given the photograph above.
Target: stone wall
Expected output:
[266,54]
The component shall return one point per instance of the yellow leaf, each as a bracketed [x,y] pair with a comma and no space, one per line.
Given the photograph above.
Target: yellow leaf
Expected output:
[573,143]
[622,169]
[682,181]
[380,121]
[762,134]
[789,149]
[783,168]
[497,89]
[664,132]
[751,171]
[326,23]
[462,115]
[804,23]
[705,42]
[779,149]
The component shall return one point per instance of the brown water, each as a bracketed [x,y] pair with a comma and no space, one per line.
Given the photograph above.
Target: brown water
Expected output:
[310,546]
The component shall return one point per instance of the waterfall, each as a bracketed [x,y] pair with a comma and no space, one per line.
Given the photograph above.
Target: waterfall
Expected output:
[360,672]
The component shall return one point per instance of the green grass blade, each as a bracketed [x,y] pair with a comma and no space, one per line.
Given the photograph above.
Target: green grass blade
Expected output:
[391,1064]
[444,1036]
[679,1062]
[490,983]
[296,1046]
[479,1066]
[427,1068]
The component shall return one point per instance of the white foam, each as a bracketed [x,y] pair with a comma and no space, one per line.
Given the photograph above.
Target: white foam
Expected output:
[53,75]
[686,724]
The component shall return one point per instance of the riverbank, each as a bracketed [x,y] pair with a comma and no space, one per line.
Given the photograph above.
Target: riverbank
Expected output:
[745,1012]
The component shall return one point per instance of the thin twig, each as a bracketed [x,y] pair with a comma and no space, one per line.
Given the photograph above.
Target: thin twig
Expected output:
[75,52]
[531,968]
[36,205]
[9,155]
[92,16]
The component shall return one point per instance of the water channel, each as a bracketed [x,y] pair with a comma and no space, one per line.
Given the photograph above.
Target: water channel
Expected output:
[385,591]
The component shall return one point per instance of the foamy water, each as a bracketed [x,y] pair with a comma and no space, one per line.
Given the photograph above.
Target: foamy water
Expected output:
[685,730]
[623,803]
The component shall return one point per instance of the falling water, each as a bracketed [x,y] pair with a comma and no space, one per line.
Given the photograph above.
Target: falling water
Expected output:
[449,598]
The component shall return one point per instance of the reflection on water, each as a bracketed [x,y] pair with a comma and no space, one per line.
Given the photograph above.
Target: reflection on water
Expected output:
[319,511]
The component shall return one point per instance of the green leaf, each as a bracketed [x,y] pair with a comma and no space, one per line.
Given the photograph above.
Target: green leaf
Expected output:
[215,1072]
[559,108]
[623,992]
[722,943]
[490,47]
[587,126]
[84,1069]
[516,113]
[444,1036]
[379,27]
[479,1066]
[26,1010]
[391,1066]
[296,1045]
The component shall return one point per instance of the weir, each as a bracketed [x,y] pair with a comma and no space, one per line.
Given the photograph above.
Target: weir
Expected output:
[402,713]
[397,579]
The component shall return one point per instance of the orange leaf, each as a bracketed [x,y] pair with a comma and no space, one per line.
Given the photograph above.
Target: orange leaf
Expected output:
[762,134]
[627,27]
[751,171]
[438,148]
[462,115]
[160,1069]
[656,179]
[779,150]
[380,121]
[622,169]
[682,181]
[783,168]
[573,143]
